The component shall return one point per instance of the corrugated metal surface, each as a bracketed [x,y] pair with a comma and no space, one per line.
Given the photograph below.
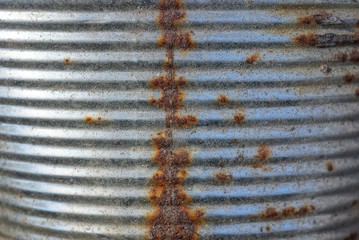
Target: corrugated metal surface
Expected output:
[76,127]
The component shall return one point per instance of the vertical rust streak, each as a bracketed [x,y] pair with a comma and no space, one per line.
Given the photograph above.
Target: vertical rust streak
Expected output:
[172,218]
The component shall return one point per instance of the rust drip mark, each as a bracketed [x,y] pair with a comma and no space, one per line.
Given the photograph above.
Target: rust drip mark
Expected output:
[271,213]
[239,118]
[67,60]
[92,120]
[263,152]
[352,236]
[223,178]
[330,166]
[323,18]
[222,99]
[325,40]
[253,58]
[349,78]
[172,217]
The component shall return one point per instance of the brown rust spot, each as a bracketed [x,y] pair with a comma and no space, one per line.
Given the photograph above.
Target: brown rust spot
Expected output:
[253,58]
[357,92]
[354,56]
[239,118]
[223,177]
[330,166]
[92,120]
[354,202]
[186,121]
[349,78]
[67,60]
[352,236]
[268,228]
[172,217]
[319,19]
[222,99]
[309,39]
[263,152]
[271,213]
[325,40]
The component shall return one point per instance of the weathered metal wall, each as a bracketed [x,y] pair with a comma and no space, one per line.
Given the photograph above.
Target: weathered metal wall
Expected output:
[274,85]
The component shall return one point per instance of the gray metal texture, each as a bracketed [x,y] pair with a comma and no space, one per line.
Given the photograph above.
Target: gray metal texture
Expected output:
[76,126]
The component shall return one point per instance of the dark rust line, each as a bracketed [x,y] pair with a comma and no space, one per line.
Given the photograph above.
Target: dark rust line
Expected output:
[172,217]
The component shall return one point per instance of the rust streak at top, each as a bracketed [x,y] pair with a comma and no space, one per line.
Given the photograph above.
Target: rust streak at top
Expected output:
[172,218]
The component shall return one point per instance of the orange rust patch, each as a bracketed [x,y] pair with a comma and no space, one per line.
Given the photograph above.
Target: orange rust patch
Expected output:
[67,60]
[271,213]
[239,118]
[253,58]
[222,99]
[223,177]
[316,19]
[92,120]
[349,78]
[309,39]
[352,236]
[325,40]
[330,166]
[263,152]
[172,218]
[186,121]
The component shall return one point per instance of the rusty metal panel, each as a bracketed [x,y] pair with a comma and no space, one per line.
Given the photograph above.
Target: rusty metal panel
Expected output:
[170,119]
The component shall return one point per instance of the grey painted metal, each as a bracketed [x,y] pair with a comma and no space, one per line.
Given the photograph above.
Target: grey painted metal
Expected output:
[62,178]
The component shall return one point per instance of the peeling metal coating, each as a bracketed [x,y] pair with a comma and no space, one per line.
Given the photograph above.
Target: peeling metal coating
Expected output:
[274,153]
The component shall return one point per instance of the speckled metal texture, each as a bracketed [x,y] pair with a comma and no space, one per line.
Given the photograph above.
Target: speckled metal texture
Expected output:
[272,88]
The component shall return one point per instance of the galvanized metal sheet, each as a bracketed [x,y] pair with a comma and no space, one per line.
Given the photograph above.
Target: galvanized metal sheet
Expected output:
[273,84]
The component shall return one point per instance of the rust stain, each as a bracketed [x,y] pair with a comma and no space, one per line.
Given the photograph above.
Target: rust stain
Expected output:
[172,217]
[352,236]
[67,60]
[325,40]
[271,213]
[330,166]
[354,203]
[263,152]
[322,18]
[349,78]
[223,177]
[239,118]
[92,120]
[222,99]
[268,228]
[253,58]
[357,92]
[354,56]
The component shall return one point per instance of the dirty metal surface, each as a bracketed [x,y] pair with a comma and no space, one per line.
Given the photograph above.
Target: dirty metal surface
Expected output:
[194,119]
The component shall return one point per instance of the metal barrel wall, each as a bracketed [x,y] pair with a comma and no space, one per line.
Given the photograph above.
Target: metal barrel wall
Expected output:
[179,119]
